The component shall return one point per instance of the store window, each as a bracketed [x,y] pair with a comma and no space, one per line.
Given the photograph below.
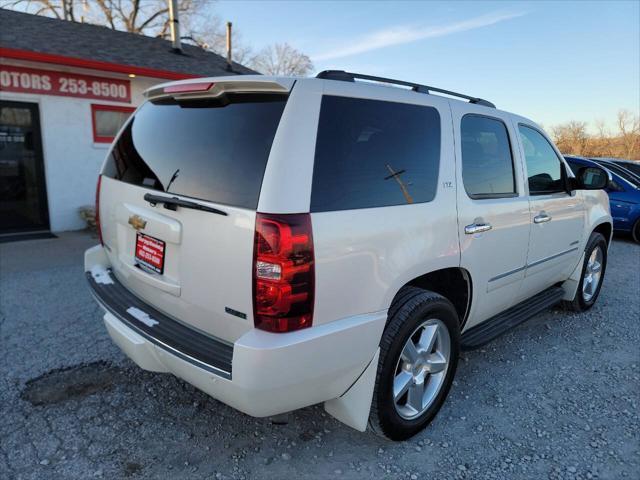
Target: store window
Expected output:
[107,120]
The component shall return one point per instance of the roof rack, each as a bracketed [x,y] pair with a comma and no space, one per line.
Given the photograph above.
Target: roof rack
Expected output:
[343,76]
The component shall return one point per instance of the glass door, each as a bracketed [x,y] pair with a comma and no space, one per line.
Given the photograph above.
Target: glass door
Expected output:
[23,195]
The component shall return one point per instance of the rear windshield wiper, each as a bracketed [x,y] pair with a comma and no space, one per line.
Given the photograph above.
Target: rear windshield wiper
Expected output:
[172,202]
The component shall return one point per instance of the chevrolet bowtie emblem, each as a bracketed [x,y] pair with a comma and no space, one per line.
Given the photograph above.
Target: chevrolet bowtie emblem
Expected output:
[137,222]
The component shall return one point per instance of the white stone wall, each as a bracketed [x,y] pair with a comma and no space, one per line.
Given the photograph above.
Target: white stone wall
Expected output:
[71,158]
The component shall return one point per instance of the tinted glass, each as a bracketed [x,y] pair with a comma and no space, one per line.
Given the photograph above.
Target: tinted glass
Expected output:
[371,153]
[633,167]
[487,165]
[543,165]
[575,167]
[211,150]
[623,172]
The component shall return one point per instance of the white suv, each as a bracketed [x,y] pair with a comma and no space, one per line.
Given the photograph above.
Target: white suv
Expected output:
[282,242]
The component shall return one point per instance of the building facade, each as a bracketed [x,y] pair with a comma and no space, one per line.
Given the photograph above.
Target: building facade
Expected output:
[65,90]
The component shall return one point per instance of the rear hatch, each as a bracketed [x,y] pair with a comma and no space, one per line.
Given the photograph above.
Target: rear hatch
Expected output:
[178,196]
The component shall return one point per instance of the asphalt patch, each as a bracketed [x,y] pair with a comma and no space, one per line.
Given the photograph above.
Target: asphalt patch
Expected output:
[76,382]
[131,469]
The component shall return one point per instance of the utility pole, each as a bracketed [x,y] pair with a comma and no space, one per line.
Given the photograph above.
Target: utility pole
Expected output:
[229,60]
[174,26]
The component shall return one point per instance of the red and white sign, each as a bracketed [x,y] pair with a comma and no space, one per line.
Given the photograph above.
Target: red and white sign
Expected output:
[49,82]
[150,252]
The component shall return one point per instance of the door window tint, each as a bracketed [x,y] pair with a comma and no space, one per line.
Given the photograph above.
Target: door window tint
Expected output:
[575,167]
[543,165]
[487,165]
[214,150]
[371,153]
[624,173]
[632,167]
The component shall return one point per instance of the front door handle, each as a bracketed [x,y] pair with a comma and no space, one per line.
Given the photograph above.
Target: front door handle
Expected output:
[477,228]
[542,218]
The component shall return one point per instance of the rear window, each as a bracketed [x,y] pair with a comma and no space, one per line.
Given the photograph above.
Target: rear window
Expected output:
[214,150]
[371,153]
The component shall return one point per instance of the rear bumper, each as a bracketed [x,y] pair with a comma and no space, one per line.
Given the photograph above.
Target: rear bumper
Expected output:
[264,374]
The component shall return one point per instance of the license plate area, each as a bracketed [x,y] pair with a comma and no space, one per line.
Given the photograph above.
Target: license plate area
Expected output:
[150,252]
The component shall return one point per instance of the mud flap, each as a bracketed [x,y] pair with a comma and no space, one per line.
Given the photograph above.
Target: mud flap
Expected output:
[571,284]
[352,407]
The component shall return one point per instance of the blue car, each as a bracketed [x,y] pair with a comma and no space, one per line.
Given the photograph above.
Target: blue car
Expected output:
[629,166]
[624,197]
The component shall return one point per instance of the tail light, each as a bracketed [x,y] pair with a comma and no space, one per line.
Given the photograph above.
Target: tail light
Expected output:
[283,272]
[98,228]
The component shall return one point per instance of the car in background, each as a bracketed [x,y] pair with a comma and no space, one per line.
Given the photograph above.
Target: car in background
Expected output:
[630,165]
[623,168]
[624,197]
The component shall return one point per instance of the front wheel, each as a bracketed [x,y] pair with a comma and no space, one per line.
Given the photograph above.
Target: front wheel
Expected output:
[593,268]
[418,358]
[635,233]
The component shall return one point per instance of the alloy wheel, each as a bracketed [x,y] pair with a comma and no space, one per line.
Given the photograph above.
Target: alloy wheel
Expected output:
[421,368]
[592,274]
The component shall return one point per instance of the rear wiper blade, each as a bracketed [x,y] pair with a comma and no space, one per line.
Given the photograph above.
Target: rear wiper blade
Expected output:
[174,202]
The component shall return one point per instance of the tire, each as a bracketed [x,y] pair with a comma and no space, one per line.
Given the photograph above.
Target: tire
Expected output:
[635,232]
[586,295]
[430,322]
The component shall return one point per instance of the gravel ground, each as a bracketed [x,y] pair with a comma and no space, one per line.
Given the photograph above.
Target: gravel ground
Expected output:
[556,398]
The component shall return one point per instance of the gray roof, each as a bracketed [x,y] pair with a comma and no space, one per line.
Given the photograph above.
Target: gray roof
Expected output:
[81,40]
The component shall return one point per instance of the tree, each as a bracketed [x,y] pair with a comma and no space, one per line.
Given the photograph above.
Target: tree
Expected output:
[629,129]
[198,24]
[148,17]
[571,137]
[282,59]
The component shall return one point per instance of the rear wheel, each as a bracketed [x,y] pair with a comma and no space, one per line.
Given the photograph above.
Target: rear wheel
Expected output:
[635,233]
[593,268]
[418,358]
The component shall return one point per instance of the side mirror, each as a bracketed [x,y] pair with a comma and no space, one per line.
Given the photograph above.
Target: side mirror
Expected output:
[591,178]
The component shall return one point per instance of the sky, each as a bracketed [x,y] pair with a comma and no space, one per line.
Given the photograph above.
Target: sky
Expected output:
[550,61]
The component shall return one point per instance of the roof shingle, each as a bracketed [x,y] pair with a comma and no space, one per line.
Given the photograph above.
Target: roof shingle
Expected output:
[82,40]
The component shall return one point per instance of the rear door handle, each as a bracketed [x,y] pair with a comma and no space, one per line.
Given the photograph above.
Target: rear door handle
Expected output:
[542,218]
[477,228]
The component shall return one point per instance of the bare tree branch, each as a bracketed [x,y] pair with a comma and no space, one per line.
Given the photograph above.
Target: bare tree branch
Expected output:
[198,24]
[282,59]
[153,17]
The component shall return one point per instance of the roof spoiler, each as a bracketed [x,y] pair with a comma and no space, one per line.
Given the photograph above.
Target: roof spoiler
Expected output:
[212,88]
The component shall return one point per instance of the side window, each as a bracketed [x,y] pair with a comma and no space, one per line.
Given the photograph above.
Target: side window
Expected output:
[487,164]
[371,153]
[543,165]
